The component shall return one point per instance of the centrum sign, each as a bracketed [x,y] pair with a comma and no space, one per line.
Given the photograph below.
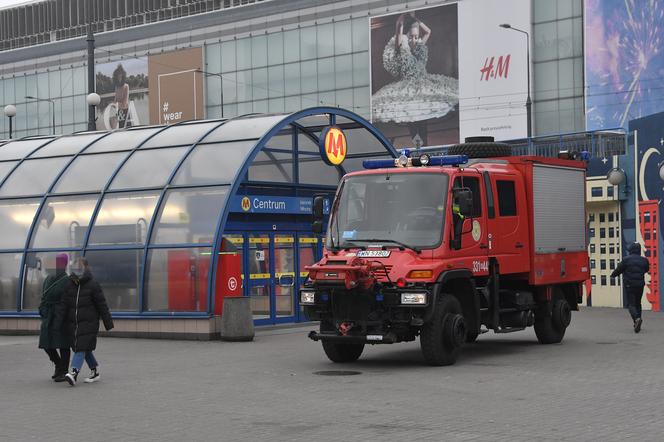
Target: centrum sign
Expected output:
[333,147]
[274,204]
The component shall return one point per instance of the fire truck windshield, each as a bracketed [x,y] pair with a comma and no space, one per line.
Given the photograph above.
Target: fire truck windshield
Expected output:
[402,209]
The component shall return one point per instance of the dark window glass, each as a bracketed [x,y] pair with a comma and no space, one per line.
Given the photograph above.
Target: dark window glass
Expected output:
[592,264]
[603,279]
[602,217]
[506,198]
[119,273]
[602,264]
[612,281]
[591,233]
[474,185]
[609,191]
[602,249]
[593,279]
[610,217]
[612,264]
[596,192]
[592,248]
[602,232]
[612,232]
[612,249]
[591,217]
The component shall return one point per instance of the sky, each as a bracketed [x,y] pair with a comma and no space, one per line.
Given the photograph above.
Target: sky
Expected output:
[9,3]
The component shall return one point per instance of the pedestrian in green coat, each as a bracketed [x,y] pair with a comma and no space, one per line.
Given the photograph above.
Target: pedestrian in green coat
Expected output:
[52,334]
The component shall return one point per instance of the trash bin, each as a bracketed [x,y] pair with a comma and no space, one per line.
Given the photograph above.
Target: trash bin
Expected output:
[237,321]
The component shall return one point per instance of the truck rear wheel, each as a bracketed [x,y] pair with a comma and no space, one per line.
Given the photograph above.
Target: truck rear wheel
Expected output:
[442,337]
[550,328]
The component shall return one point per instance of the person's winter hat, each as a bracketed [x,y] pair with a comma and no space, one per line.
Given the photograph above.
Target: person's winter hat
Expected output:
[61,260]
[634,248]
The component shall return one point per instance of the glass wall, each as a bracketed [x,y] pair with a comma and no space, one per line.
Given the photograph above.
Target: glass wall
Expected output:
[558,66]
[326,64]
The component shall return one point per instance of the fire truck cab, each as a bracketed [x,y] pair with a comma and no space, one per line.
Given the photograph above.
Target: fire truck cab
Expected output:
[446,248]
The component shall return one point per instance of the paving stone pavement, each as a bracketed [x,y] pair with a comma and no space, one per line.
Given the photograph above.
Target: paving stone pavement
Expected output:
[603,383]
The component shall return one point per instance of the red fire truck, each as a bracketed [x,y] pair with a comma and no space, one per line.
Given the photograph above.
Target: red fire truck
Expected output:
[446,248]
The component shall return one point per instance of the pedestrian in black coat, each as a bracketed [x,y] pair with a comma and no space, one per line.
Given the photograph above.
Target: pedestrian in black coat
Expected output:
[52,333]
[85,304]
[633,268]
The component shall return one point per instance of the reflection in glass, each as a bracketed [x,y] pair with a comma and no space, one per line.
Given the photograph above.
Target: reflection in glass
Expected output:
[271,167]
[213,163]
[313,170]
[148,168]
[33,177]
[284,273]
[64,221]
[66,145]
[118,272]
[189,216]
[122,140]
[243,128]
[89,173]
[259,275]
[16,150]
[16,217]
[124,218]
[177,279]
[10,263]
[38,267]
[180,134]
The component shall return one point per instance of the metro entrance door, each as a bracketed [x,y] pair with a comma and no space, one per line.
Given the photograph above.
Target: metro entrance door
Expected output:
[272,276]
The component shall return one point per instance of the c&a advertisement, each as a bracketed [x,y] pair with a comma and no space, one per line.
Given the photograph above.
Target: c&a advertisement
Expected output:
[158,89]
[444,73]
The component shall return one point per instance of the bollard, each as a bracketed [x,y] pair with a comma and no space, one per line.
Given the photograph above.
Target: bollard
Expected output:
[237,321]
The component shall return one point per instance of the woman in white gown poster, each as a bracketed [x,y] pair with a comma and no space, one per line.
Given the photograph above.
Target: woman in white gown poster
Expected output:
[414,73]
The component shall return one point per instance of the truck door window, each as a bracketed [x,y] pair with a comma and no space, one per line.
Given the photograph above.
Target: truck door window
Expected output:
[506,198]
[473,184]
[489,195]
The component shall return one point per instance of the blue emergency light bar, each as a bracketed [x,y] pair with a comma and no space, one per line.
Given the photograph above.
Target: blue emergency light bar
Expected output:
[423,160]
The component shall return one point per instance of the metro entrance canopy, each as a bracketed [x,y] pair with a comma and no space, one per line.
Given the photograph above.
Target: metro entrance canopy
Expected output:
[150,207]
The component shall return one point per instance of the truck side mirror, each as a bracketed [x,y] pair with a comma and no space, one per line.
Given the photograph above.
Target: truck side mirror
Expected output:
[463,198]
[317,227]
[317,210]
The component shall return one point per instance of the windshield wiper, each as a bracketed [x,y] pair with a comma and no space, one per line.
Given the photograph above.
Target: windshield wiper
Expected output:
[391,241]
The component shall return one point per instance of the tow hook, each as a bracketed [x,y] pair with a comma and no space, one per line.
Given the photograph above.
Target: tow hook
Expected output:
[345,327]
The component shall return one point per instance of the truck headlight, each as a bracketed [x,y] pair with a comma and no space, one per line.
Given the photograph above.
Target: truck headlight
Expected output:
[414,298]
[307,297]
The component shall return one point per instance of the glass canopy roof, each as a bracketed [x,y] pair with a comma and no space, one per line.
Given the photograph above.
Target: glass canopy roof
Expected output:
[129,191]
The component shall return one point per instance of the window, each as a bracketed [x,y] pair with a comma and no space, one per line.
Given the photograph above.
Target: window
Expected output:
[124,218]
[612,281]
[609,191]
[602,249]
[15,218]
[591,217]
[612,232]
[603,279]
[473,184]
[602,232]
[591,233]
[64,221]
[593,279]
[602,264]
[592,248]
[612,264]
[592,264]
[602,217]
[612,249]
[610,217]
[596,192]
[506,198]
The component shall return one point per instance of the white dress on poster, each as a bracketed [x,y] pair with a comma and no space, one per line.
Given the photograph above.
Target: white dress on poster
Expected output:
[416,95]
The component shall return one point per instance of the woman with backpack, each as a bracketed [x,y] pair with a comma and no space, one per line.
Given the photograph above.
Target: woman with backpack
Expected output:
[86,304]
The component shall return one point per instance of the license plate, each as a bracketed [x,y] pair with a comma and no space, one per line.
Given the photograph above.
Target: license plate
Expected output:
[374,338]
[373,253]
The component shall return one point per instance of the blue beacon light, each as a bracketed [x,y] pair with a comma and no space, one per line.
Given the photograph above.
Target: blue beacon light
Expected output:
[446,160]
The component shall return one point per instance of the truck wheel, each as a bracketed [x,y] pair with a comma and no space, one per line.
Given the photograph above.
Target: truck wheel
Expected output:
[550,329]
[339,352]
[481,150]
[442,337]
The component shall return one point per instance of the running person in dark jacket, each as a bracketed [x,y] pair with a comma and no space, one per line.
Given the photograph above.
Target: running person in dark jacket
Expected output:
[633,268]
[85,304]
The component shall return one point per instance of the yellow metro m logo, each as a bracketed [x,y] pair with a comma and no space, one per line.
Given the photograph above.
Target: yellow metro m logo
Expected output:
[334,147]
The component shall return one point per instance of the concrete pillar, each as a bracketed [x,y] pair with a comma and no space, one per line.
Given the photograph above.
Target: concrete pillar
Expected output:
[237,321]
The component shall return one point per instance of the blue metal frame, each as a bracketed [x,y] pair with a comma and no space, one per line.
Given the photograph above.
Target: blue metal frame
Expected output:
[288,120]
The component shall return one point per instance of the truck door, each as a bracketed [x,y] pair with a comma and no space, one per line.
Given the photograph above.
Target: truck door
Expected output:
[507,221]
[474,240]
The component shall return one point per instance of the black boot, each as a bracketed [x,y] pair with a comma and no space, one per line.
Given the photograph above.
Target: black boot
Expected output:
[61,371]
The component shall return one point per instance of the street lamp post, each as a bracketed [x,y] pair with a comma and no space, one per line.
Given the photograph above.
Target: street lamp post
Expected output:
[30,97]
[529,102]
[93,101]
[10,112]
[221,86]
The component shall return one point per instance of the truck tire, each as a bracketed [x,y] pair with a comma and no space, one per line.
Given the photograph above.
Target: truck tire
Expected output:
[339,352]
[550,329]
[481,150]
[442,337]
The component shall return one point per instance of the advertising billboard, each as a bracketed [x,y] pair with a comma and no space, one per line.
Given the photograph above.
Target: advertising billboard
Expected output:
[624,42]
[176,86]
[444,73]
[123,88]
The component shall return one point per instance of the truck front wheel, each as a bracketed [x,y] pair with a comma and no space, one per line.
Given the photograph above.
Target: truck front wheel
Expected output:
[442,337]
[550,328]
